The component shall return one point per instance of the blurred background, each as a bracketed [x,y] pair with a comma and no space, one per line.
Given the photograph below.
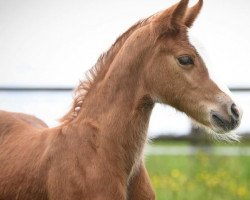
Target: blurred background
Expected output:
[47,46]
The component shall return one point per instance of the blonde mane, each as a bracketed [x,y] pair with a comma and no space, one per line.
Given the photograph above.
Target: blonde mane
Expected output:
[98,71]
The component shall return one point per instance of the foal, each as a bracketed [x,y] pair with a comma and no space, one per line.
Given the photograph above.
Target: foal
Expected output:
[96,154]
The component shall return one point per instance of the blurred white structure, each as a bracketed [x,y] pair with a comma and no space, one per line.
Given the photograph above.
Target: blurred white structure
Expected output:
[51,43]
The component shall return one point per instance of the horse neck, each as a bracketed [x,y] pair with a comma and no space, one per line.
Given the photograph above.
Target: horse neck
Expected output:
[120,108]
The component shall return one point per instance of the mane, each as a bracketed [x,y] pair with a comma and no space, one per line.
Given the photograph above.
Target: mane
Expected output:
[98,71]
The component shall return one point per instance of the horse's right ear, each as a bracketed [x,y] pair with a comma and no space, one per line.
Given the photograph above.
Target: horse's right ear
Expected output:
[172,18]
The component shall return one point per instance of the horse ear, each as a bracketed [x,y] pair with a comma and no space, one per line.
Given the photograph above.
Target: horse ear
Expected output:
[192,14]
[172,17]
[178,13]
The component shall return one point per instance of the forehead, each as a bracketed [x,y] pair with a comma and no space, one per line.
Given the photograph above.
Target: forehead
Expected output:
[176,42]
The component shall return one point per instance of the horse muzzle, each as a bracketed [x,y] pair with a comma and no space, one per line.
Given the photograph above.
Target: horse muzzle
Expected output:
[226,118]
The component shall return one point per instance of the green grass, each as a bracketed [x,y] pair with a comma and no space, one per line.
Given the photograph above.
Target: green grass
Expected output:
[200,177]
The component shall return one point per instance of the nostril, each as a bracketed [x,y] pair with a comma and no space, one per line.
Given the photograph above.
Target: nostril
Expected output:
[235,111]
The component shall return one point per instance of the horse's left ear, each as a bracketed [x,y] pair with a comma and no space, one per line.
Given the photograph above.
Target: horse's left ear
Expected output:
[192,13]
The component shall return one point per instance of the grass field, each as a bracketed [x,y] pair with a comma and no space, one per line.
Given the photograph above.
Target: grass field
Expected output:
[199,177]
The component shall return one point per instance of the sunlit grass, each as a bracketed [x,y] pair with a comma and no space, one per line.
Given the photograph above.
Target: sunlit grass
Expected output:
[200,176]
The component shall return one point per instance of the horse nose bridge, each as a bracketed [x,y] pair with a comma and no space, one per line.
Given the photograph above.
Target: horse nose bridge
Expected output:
[211,90]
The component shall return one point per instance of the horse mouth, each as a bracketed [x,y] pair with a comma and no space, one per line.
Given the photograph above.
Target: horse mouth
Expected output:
[221,124]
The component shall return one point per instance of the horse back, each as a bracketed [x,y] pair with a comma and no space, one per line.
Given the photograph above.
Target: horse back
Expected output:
[23,169]
[10,120]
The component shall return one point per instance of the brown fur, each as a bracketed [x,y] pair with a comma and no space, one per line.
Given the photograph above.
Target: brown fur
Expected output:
[96,154]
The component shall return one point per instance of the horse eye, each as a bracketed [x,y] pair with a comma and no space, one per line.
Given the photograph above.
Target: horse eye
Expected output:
[185,60]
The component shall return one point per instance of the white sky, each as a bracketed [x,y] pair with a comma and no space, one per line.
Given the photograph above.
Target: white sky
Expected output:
[53,42]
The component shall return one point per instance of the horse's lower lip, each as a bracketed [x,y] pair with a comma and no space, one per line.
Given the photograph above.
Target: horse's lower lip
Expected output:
[222,123]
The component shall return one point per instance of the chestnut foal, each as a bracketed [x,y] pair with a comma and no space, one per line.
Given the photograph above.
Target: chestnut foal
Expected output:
[97,152]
